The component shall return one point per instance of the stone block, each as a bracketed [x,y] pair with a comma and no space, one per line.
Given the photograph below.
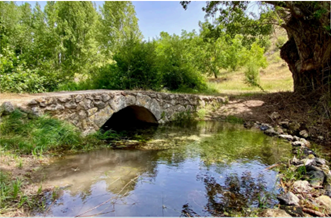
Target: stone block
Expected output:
[101,116]
[92,111]
[70,105]
[79,98]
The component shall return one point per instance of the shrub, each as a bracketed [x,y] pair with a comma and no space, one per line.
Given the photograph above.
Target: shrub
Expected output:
[254,61]
[15,76]
[177,65]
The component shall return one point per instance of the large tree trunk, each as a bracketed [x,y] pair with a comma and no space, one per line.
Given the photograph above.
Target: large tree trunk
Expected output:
[308,50]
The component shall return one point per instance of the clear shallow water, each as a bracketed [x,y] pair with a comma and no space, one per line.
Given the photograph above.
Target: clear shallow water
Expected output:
[205,169]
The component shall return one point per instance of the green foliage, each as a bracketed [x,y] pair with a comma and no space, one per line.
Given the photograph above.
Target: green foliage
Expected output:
[42,49]
[201,113]
[281,41]
[176,64]
[135,68]
[15,76]
[9,190]
[36,135]
[118,23]
[151,65]
[234,19]
[234,119]
[254,61]
[234,54]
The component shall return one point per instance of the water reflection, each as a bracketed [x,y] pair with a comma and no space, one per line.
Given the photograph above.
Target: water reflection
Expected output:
[208,169]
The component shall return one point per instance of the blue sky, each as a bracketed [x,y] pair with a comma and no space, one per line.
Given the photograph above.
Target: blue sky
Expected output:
[157,16]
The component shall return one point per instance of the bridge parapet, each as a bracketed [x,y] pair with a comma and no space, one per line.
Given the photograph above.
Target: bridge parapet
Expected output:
[90,110]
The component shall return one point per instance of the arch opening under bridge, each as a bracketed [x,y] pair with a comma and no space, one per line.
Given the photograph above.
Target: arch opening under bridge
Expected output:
[130,118]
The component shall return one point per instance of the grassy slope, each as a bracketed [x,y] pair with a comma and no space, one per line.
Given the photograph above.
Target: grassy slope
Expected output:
[276,77]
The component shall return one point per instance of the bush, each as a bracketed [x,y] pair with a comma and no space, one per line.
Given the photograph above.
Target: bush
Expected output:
[177,65]
[143,65]
[15,76]
[135,68]
[254,61]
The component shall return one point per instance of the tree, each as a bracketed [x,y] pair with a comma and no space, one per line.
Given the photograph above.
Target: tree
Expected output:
[118,23]
[308,49]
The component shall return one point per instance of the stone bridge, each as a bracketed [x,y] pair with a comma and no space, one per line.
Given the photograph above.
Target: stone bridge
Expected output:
[91,110]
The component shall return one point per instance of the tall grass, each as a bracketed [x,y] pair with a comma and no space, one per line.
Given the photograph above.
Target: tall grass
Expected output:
[36,135]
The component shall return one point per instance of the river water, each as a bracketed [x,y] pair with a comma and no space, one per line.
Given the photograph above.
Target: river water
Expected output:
[200,169]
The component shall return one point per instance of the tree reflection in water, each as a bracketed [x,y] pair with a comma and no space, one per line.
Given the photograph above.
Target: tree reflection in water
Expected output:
[234,197]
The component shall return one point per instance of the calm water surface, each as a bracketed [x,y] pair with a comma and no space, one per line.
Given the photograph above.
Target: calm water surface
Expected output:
[202,169]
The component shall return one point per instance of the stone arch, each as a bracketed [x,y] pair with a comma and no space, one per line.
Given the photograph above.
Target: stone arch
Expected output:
[129,116]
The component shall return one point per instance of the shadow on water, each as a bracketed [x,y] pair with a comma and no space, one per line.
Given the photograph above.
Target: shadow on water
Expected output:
[201,169]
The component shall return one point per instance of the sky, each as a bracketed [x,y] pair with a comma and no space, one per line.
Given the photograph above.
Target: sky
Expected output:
[157,16]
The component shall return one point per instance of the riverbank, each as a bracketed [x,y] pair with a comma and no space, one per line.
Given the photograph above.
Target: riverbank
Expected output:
[306,178]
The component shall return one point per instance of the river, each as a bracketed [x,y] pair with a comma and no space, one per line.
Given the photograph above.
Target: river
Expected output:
[204,168]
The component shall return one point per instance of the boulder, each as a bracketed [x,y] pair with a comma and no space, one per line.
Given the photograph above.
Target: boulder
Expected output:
[6,108]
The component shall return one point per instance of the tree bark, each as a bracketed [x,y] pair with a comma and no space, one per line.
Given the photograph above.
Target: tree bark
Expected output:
[308,50]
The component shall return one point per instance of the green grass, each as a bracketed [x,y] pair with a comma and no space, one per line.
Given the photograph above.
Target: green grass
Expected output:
[36,135]
[10,191]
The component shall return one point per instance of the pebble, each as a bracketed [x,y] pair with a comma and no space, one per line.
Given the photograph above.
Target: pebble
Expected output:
[289,199]
[325,200]
[302,186]
[286,136]
[275,213]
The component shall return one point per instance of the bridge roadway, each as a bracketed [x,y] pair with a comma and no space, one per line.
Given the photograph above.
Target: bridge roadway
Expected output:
[90,110]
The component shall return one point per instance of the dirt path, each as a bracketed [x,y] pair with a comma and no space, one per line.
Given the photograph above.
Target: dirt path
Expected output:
[315,118]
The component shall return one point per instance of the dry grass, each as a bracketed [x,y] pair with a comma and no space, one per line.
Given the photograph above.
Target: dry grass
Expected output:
[275,78]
